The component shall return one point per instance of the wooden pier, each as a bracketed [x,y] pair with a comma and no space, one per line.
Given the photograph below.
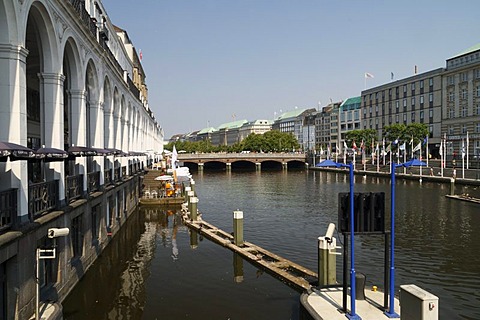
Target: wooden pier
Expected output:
[296,276]
[464,197]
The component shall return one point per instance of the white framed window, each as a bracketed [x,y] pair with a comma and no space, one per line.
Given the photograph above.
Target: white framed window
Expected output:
[464,94]
[422,115]
[464,129]
[451,130]
[404,103]
[430,97]
[430,113]
[421,99]
[421,84]
[451,96]
[413,101]
[430,82]
[464,111]
[413,86]
[477,127]
[396,118]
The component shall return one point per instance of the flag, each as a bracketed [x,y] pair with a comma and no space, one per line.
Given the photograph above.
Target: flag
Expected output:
[463,149]
[368,75]
[388,149]
[362,145]
[174,157]
[425,140]
[377,148]
[396,141]
[354,145]
[391,75]
[417,147]
[441,148]
[141,55]
[345,145]
[411,141]
[402,147]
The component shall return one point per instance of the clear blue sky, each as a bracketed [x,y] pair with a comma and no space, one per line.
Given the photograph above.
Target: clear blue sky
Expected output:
[211,61]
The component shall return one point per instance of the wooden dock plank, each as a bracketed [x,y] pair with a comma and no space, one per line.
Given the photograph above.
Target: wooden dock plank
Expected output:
[289,272]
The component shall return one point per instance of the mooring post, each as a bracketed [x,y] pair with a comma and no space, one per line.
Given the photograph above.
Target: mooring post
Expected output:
[192,185]
[193,239]
[185,193]
[452,186]
[190,194]
[238,228]
[327,260]
[193,209]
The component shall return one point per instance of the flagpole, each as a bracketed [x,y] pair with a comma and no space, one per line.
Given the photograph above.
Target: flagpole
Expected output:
[463,159]
[426,152]
[441,157]
[468,142]
[421,160]
[383,146]
[378,158]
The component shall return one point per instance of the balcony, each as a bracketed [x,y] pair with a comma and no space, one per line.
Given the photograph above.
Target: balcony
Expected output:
[107,174]
[93,180]
[8,208]
[74,187]
[42,197]
[116,174]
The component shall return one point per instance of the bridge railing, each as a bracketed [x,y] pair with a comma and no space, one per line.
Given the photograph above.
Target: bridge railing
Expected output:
[251,155]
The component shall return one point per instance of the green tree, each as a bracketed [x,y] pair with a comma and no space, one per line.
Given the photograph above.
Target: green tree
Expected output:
[417,131]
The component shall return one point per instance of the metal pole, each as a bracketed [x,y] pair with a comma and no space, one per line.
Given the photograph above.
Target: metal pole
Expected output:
[385,271]
[238,228]
[352,314]
[391,312]
[37,285]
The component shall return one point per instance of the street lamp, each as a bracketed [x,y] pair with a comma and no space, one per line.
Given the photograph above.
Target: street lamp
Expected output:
[414,162]
[43,254]
[329,163]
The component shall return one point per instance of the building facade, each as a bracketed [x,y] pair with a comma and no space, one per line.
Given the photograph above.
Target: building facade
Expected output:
[416,99]
[461,101]
[66,84]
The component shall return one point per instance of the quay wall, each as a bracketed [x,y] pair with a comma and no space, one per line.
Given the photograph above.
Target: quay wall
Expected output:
[92,221]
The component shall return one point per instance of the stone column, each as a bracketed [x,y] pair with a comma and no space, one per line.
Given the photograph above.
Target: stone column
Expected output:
[53,137]
[78,130]
[13,116]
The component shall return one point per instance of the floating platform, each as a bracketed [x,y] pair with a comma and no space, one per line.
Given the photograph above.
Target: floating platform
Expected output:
[320,304]
[464,197]
[167,201]
[326,304]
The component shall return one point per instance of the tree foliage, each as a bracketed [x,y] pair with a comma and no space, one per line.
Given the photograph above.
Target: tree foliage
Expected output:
[415,131]
[271,141]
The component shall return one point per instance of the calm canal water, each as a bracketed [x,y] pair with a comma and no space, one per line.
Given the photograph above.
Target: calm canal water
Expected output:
[154,269]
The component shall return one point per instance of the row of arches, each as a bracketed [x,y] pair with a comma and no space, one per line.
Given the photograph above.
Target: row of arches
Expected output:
[59,88]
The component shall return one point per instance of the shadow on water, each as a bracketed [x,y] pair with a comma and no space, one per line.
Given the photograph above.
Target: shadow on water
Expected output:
[157,268]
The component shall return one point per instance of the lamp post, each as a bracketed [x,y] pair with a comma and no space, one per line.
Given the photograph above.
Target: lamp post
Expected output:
[42,254]
[414,162]
[352,315]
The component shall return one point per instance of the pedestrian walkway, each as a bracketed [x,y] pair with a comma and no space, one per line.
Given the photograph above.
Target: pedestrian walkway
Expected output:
[327,304]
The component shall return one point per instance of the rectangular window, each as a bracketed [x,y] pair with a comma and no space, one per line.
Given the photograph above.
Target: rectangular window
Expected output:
[464,111]
[451,80]
[421,84]
[404,117]
[413,116]
[464,94]
[477,127]
[396,118]
[464,129]
[451,113]
[430,113]
[478,91]
[478,109]
[421,115]
[404,88]
[451,96]
[464,76]
[451,130]
[356,115]
[397,104]
[421,99]
[413,86]
[430,97]
[430,82]
[413,101]
[95,222]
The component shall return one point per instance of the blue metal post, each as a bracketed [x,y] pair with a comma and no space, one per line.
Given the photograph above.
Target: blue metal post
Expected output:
[352,314]
[391,311]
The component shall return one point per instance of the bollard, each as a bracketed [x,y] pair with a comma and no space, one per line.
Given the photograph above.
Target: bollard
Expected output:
[192,185]
[185,193]
[327,261]
[452,186]
[190,194]
[238,228]
[193,208]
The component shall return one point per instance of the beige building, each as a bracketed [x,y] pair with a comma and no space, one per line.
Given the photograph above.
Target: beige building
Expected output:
[461,112]
[416,99]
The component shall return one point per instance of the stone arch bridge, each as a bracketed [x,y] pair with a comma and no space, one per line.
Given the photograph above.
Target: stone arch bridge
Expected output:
[283,159]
